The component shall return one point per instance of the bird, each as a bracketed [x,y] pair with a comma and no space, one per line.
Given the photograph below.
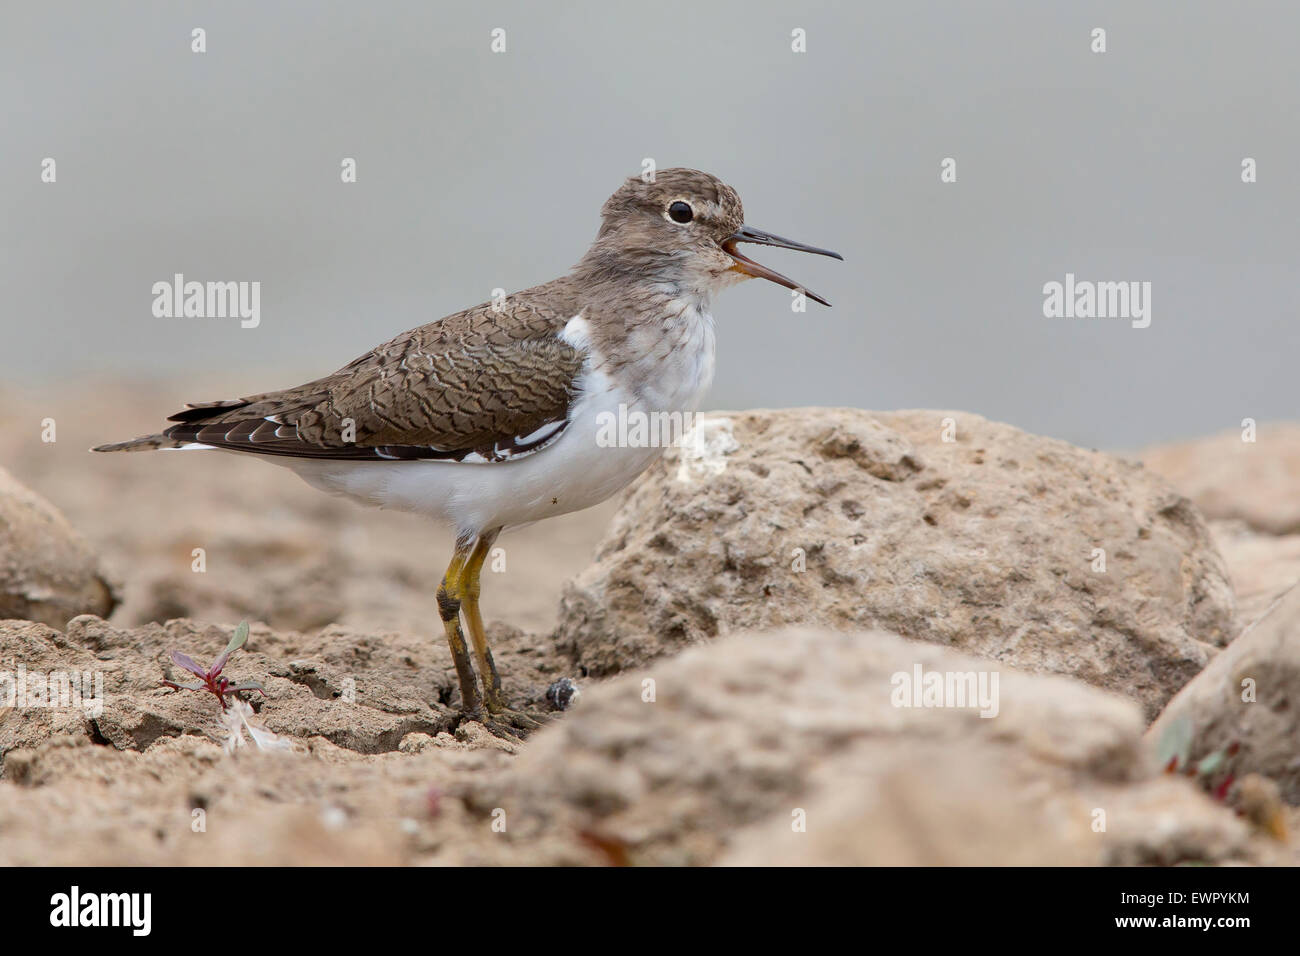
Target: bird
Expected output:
[487,419]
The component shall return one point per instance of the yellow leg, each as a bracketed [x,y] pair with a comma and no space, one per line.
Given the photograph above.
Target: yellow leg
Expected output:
[450,595]
[487,668]
[500,717]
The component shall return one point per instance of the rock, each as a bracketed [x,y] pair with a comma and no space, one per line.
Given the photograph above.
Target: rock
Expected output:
[1259,800]
[851,520]
[563,694]
[1262,567]
[961,812]
[414,743]
[750,737]
[1167,821]
[1246,696]
[48,572]
[1256,482]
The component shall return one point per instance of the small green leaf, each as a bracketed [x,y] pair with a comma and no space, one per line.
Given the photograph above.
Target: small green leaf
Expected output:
[1210,763]
[237,641]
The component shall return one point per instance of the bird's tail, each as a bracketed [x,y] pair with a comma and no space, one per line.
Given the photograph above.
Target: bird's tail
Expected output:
[144,443]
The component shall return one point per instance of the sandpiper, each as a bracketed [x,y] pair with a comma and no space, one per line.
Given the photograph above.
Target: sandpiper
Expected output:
[487,419]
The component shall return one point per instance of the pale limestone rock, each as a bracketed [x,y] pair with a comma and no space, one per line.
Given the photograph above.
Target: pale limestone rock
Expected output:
[1256,482]
[756,732]
[848,519]
[1248,695]
[48,573]
[1262,567]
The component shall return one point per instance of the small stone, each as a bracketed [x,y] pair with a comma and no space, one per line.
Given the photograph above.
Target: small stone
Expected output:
[562,694]
[415,743]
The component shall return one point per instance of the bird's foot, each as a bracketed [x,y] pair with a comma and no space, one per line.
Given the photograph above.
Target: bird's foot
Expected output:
[503,721]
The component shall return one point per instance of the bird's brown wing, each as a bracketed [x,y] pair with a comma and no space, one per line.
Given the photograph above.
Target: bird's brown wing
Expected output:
[478,386]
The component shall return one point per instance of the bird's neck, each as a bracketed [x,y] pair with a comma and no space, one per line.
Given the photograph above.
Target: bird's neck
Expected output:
[633,287]
[643,271]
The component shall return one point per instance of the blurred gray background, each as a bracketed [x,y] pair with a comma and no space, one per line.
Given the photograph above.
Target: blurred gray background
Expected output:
[479,170]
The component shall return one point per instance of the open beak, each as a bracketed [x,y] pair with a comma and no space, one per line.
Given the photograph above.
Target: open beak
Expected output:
[751,268]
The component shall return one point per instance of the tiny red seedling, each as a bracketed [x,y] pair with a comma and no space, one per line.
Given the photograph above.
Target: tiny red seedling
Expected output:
[211,679]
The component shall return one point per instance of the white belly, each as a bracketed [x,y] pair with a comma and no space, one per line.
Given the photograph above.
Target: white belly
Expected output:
[580,469]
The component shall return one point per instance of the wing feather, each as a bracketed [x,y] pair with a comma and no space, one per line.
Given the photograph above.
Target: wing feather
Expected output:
[481,385]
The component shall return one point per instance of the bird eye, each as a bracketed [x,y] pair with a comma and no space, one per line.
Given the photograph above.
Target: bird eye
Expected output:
[680,212]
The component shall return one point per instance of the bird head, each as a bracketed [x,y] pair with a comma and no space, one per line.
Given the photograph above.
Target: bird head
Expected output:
[684,227]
